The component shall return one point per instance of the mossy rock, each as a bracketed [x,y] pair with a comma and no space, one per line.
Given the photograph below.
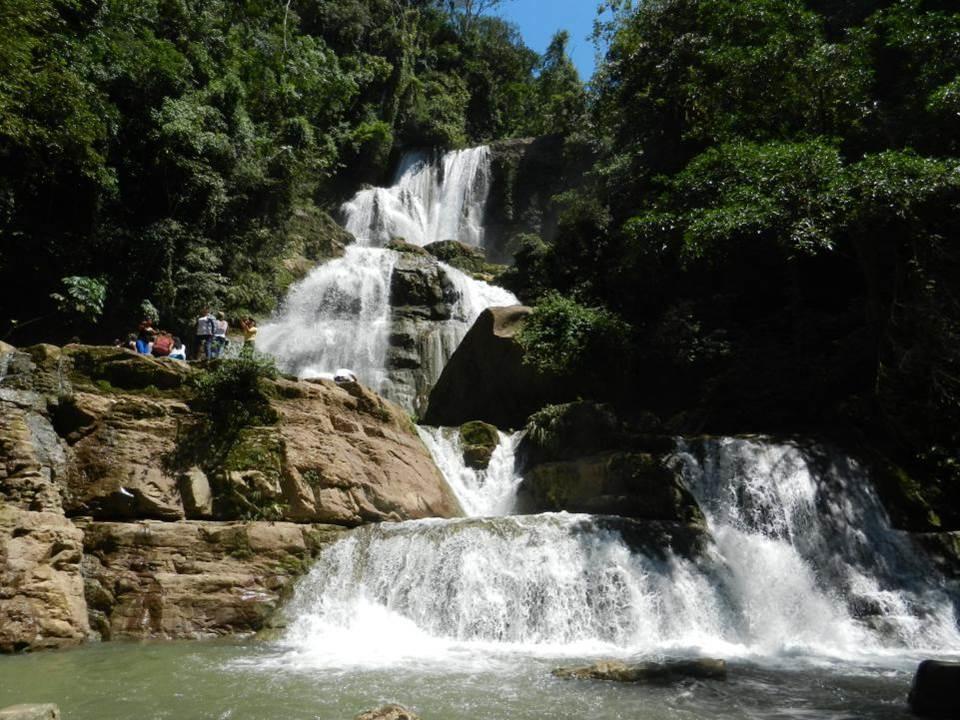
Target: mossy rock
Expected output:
[249,485]
[402,246]
[126,370]
[634,485]
[479,440]
[466,258]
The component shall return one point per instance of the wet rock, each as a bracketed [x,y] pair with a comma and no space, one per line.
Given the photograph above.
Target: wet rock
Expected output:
[486,378]
[466,258]
[388,712]
[934,690]
[648,672]
[420,289]
[192,579]
[634,485]
[30,712]
[41,588]
[479,440]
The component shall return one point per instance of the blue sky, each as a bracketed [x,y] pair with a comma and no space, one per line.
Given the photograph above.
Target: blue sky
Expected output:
[540,19]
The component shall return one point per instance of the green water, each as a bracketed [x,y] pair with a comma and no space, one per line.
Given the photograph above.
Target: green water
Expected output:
[260,681]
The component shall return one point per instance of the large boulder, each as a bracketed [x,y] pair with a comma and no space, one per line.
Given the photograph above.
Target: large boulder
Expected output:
[934,689]
[351,457]
[486,379]
[478,440]
[192,579]
[635,485]
[41,588]
[119,469]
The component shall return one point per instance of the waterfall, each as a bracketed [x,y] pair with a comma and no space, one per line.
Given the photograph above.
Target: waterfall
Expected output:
[482,493]
[802,563]
[340,315]
[429,200]
[808,551]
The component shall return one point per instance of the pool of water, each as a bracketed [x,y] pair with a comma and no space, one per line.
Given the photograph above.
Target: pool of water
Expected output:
[257,680]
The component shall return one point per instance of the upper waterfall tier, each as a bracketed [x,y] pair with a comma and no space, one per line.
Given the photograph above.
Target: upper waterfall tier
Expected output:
[431,199]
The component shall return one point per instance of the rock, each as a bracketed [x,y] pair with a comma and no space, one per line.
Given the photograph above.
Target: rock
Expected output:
[934,689]
[402,246]
[196,494]
[33,459]
[119,470]
[192,579]
[30,712]
[486,378]
[419,288]
[582,428]
[527,174]
[388,712]
[315,236]
[634,485]
[648,672]
[41,588]
[351,457]
[467,258]
[479,440]
[123,369]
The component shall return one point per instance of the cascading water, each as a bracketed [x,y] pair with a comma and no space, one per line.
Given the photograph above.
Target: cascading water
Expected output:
[482,493]
[802,563]
[340,315]
[429,200]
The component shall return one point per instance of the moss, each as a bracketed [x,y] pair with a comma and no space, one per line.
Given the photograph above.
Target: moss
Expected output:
[479,433]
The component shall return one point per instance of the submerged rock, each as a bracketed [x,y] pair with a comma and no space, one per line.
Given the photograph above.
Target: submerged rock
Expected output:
[30,712]
[388,712]
[648,672]
[934,692]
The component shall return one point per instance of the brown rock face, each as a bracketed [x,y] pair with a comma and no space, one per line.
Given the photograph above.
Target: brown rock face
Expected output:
[486,378]
[95,433]
[41,589]
[352,457]
[192,579]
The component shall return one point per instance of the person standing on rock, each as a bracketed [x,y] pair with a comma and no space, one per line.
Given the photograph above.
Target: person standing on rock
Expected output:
[220,341]
[206,326]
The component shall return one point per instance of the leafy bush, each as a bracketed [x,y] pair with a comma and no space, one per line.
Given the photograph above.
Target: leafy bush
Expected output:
[566,338]
[82,296]
[232,395]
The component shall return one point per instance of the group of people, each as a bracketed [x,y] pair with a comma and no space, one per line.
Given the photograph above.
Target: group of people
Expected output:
[211,338]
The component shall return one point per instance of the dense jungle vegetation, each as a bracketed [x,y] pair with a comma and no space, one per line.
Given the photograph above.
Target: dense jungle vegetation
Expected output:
[770,238]
[178,150]
[767,238]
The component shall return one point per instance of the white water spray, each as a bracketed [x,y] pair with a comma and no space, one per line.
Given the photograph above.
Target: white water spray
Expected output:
[430,200]
[482,493]
[803,563]
[338,317]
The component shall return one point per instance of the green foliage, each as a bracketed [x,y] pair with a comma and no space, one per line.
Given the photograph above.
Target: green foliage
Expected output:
[84,297]
[566,338]
[165,145]
[232,395]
